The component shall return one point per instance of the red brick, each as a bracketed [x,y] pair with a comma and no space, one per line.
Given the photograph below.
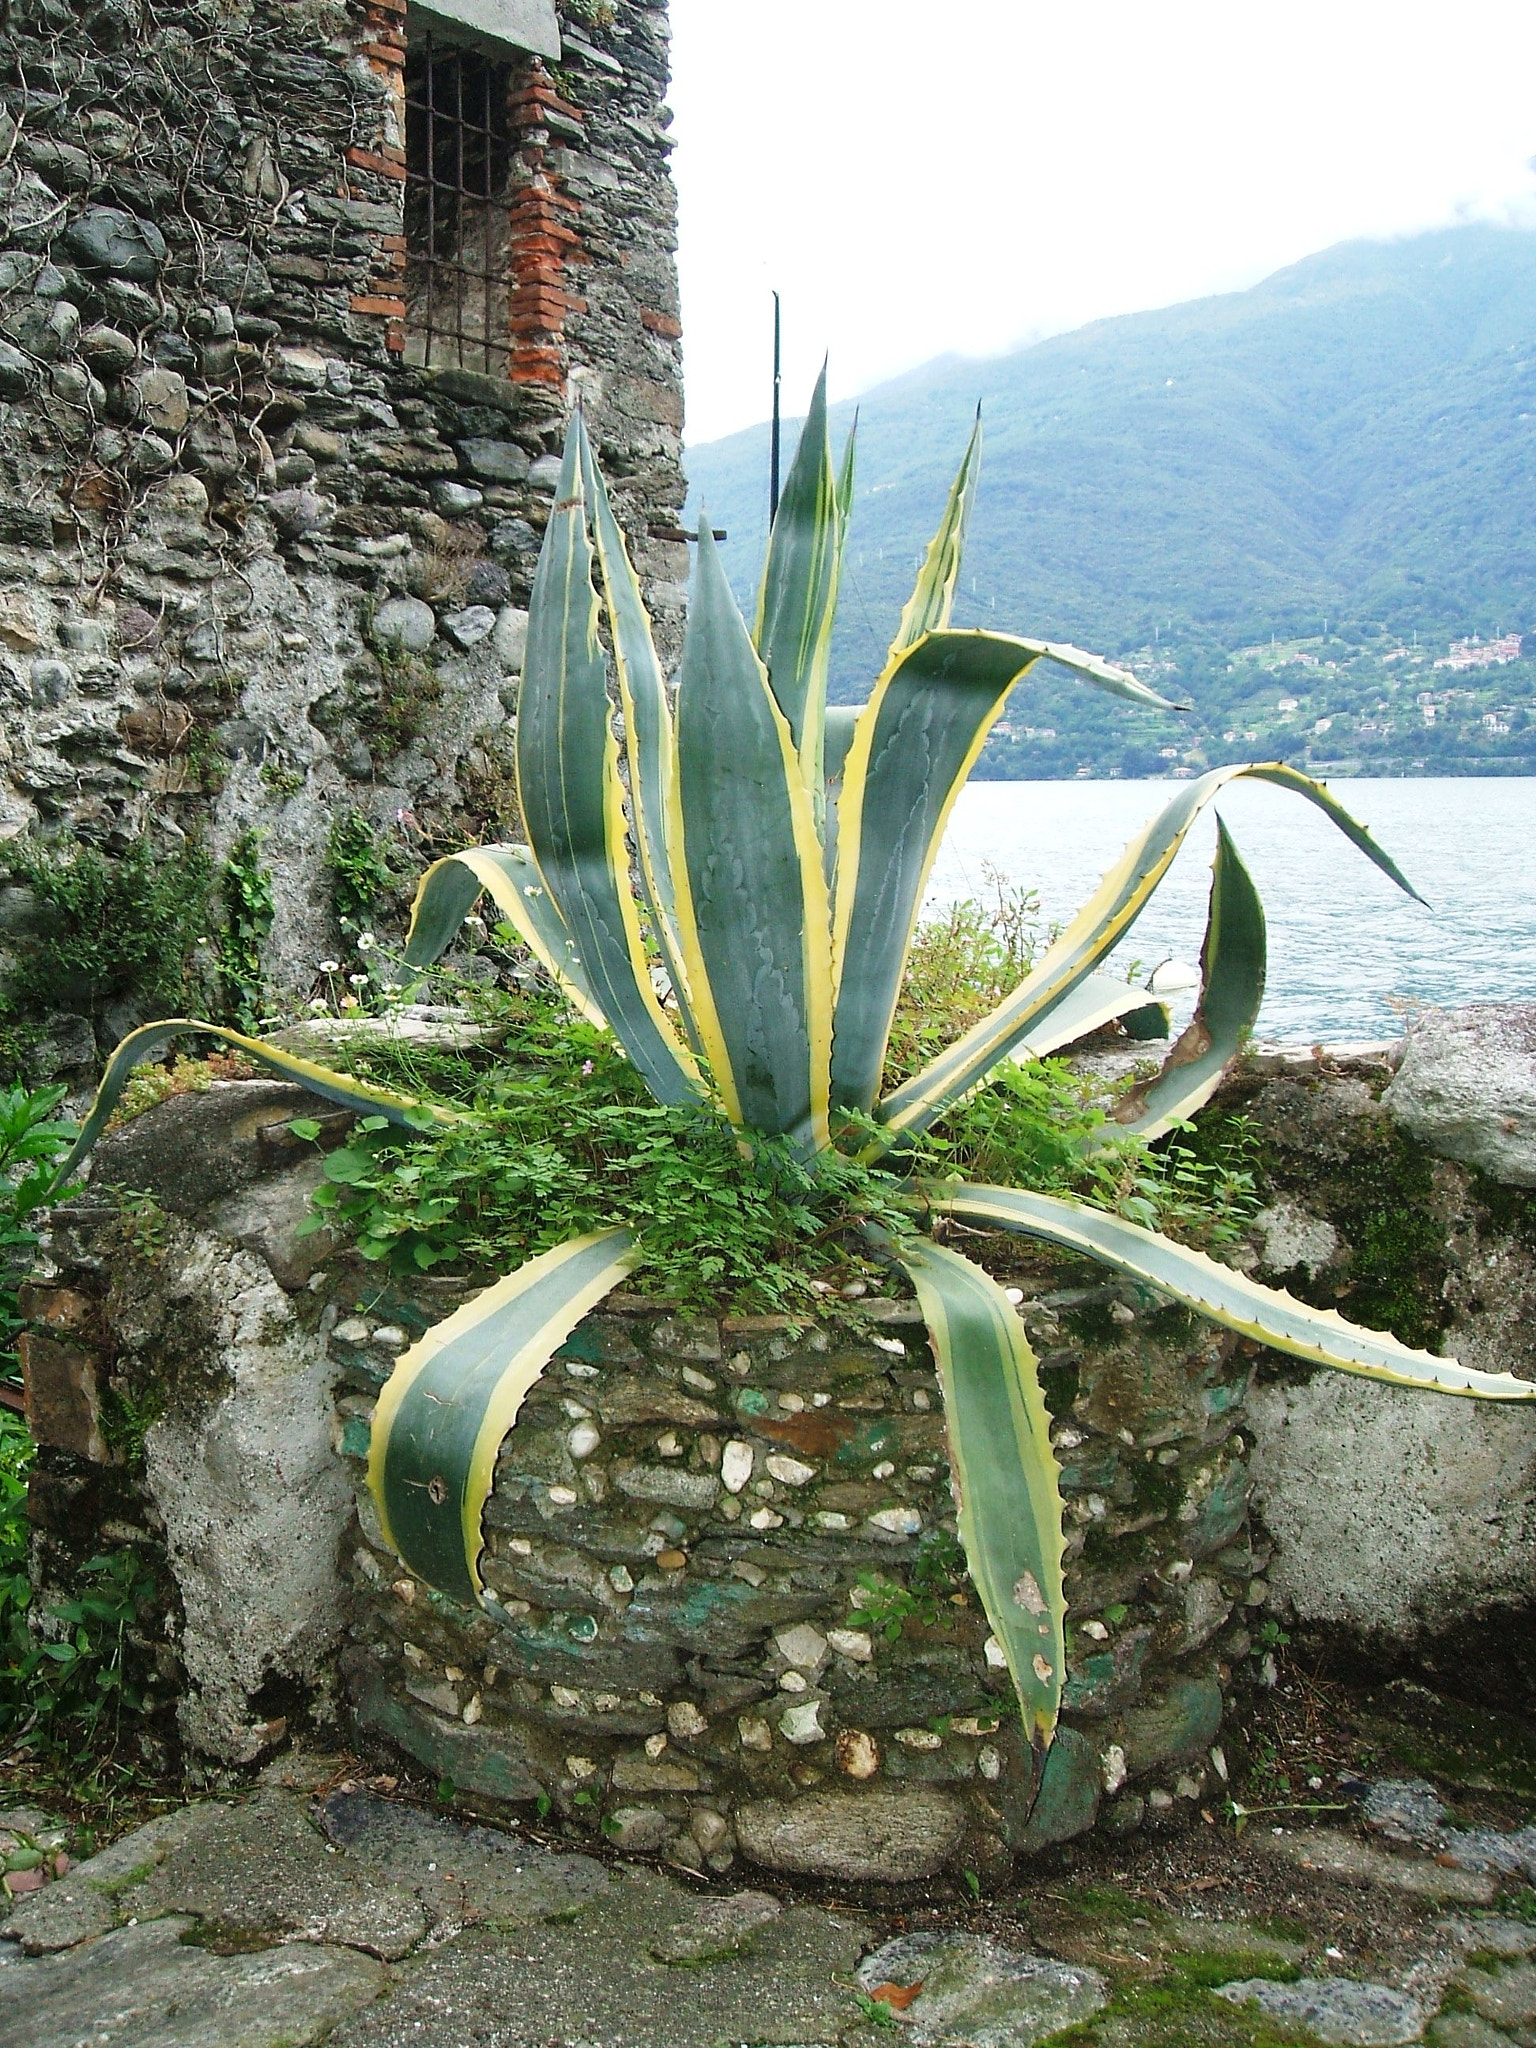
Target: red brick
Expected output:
[63,1396]
[393,309]
[661,323]
[391,166]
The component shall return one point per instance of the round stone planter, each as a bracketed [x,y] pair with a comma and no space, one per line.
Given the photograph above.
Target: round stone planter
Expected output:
[685,1519]
[675,1544]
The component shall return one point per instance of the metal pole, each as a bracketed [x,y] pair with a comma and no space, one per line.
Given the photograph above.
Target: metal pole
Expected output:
[773,454]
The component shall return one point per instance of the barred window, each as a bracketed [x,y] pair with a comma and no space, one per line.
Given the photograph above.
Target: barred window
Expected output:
[458,165]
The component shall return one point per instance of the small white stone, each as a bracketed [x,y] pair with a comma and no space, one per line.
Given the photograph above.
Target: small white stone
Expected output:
[803,1646]
[353,1331]
[621,1578]
[1161,1800]
[989,1763]
[820,1400]
[970,1724]
[919,1738]
[897,1521]
[654,1745]
[1219,1763]
[749,1574]
[668,1446]
[852,1643]
[1188,1787]
[684,1721]
[700,1381]
[830,1519]
[754,1732]
[1112,1768]
[885,1469]
[1014,1294]
[1096,1630]
[563,1697]
[583,1440]
[792,1404]
[790,1470]
[993,1651]
[520,1546]
[893,1345]
[472,1712]
[765,1518]
[577,1411]
[735,1465]
[858,1753]
[802,1724]
[793,1681]
[390,1338]
[580,1768]
[561,1497]
[921,1473]
[578,1370]
[920,1398]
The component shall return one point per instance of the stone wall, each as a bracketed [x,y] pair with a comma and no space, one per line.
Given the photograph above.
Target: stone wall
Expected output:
[256,570]
[1398,1190]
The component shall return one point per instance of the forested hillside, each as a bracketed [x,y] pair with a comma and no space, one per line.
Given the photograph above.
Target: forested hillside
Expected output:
[1283,504]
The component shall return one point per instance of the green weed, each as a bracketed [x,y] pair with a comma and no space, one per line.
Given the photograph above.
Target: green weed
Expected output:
[130,929]
[246,887]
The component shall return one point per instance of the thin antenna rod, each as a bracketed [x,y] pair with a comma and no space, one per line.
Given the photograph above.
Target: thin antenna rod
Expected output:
[778,378]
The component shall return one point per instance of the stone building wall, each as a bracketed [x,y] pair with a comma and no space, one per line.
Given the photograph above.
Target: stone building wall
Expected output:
[256,569]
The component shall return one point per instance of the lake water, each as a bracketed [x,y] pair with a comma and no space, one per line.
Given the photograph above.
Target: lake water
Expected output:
[1347,950]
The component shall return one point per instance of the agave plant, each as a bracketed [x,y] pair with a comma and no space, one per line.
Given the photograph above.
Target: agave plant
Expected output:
[730,884]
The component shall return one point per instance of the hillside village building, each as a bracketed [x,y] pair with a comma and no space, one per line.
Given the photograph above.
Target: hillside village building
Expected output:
[295,299]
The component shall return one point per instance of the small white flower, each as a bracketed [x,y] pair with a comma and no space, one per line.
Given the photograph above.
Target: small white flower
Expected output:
[475,922]
[330,967]
[319,1005]
[366,942]
[350,1003]
[358,980]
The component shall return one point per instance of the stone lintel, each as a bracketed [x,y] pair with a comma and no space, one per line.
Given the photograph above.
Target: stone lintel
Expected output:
[495,25]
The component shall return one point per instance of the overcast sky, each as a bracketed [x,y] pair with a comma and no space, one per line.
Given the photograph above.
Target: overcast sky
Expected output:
[924,176]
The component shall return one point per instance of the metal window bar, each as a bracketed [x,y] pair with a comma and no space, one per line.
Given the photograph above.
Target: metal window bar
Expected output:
[458,145]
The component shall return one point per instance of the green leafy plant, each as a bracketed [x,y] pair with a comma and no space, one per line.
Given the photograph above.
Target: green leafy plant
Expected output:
[248,912]
[731,890]
[33,1139]
[67,1685]
[358,865]
[108,930]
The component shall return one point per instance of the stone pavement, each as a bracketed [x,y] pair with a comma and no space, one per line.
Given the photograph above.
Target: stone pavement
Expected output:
[306,1912]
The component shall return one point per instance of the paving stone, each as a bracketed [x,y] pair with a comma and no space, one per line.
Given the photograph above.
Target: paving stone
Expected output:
[83,1903]
[148,1987]
[1465,2030]
[715,1928]
[1404,1810]
[264,1871]
[59,1916]
[1332,1854]
[596,1981]
[460,1874]
[1507,1997]
[978,1992]
[1336,2009]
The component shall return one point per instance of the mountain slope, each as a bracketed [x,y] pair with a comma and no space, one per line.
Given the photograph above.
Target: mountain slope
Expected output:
[1353,439]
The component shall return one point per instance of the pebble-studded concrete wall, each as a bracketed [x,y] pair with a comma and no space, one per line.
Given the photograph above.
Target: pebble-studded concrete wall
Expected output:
[675,1540]
[256,570]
